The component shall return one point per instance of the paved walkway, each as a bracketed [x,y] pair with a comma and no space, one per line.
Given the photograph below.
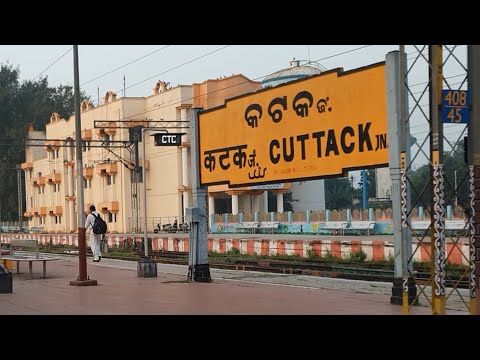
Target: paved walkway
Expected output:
[120,291]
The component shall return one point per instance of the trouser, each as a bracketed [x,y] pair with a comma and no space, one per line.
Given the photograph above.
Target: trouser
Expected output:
[94,242]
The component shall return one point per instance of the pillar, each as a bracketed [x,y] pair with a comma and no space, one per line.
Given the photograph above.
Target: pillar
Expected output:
[212,220]
[185,169]
[211,205]
[265,201]
[255,203]
[112,182]
[280,202]
[449,212]
[234,204]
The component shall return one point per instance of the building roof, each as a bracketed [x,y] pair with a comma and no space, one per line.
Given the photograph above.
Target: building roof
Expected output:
[294,72]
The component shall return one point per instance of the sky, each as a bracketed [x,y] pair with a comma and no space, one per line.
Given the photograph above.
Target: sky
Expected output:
[253,61]
[187,64]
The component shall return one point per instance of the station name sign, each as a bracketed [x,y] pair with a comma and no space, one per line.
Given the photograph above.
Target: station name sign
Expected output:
[312,128]
[164,139]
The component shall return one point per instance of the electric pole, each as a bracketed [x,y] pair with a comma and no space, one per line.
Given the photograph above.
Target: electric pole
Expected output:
[82,279]
[364,189]
[198,268]
[351,180]
[20,199]
[474,167]
[403,289]
[437,234]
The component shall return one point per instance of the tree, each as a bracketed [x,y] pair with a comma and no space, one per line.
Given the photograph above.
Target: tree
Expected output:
[453,163]
[21,104]
[338,193]
[371,184]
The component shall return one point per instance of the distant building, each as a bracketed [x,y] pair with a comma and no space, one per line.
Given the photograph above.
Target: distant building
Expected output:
[108,181]
[310,194]
[383,183]
[108,177]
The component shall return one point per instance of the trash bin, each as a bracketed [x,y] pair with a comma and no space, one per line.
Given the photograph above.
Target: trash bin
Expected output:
[5,281]
[146,268]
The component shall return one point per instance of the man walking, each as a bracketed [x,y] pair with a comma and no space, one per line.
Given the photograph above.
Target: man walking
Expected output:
[94,239]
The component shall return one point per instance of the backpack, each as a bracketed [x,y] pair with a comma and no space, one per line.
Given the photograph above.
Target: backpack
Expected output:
[99,226]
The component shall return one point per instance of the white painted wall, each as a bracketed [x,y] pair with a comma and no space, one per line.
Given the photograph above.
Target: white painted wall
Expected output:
[310,195]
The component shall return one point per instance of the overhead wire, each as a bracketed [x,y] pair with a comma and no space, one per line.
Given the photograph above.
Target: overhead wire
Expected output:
[240,83]
[173,68]
[124,65]
[162,153]
[35,78]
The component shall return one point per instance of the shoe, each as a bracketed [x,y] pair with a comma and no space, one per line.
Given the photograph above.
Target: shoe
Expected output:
[96,260]
[99,258]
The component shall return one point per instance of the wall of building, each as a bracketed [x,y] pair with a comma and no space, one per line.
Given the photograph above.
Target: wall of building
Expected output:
[111,190]
[383,183]
[310,195]
[214,92]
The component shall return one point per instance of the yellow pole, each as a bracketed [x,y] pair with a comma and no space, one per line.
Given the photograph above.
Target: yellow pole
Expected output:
[438,286]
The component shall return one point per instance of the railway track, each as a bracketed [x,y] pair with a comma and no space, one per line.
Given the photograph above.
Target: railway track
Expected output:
[352,271]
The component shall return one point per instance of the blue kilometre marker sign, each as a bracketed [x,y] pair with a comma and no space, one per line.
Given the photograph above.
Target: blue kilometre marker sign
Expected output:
[455,106]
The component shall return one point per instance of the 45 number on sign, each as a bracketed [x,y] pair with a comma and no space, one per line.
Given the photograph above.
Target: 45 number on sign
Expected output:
[455,106]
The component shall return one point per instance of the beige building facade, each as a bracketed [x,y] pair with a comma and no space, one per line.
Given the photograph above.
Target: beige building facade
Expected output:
[50,174]
[109,158]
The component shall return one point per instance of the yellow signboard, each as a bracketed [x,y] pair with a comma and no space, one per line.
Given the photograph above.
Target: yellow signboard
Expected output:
[317,127]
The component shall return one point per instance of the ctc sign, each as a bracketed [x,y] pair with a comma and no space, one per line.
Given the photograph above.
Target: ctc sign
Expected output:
[163,139]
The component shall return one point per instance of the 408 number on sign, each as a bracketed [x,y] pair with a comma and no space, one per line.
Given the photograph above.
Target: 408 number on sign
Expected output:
[455,106]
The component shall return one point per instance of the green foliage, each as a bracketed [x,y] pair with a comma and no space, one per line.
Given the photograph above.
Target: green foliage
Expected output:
[359,256]
[21,104]
[453,162]
[371,184]
[338,193]
[311,255]
[329,257]
[390,259]
[233,252]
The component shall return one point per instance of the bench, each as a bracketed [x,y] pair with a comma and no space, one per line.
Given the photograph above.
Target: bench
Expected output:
[24,258]
[360,226]
[420,226]
[450,226]
[36,229]
[248,225]
[334,226]
[458,227]
[269,225]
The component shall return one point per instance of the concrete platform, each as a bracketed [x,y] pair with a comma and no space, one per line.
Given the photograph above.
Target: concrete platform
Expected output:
[121,292]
